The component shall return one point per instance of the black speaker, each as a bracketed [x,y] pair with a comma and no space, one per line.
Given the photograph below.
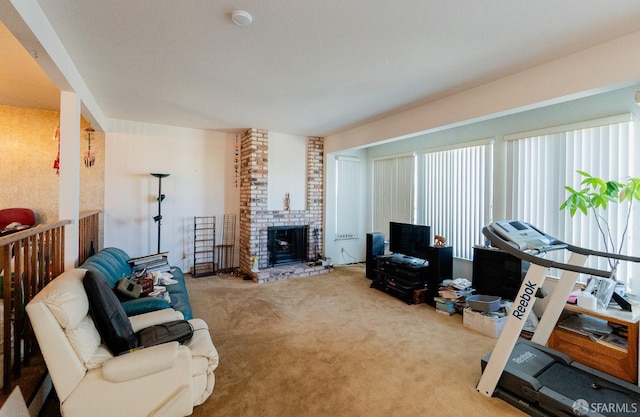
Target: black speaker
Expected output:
[375,248]
[440,262]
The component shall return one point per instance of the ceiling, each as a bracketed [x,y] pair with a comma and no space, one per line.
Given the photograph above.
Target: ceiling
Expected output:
[302,67]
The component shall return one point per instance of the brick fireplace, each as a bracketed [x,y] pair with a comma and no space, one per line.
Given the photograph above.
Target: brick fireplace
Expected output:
[256,219]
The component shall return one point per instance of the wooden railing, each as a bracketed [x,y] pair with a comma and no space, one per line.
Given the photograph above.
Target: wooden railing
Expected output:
[88,234]
[29,260]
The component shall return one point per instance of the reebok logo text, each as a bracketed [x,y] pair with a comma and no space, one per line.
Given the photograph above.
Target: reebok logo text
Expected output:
[525,299]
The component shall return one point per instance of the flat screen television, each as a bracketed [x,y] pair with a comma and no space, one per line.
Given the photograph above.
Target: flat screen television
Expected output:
[409,239]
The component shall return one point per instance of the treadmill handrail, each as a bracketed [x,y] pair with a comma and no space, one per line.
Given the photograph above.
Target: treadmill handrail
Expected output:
[499,242]
[585,251]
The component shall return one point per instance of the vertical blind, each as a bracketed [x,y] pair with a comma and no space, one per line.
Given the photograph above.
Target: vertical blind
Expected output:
[540,165]
[393,191]
[456,192]
[348,207]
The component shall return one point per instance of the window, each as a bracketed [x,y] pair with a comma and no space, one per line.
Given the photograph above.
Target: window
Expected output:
[457,195]
[541,163]
[348,210]
[393,191]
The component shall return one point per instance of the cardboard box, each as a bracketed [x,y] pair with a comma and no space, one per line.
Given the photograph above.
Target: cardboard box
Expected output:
[419,296]
[488,326]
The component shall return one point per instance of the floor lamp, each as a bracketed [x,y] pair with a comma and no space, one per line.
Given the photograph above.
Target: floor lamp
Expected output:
[158,218]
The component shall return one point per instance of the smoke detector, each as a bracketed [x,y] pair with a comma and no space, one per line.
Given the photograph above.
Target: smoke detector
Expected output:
[241,18]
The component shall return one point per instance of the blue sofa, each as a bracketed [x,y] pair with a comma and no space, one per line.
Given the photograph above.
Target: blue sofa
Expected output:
[112,264]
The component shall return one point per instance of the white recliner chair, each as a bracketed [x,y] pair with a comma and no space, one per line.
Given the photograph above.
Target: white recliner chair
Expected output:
[163,380]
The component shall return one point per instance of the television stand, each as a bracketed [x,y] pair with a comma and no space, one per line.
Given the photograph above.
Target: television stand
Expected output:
[400,275]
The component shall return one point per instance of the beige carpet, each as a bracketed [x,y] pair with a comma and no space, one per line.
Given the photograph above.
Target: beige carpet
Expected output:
[331,346]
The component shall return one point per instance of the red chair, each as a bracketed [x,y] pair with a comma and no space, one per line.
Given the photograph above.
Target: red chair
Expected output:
[24,216]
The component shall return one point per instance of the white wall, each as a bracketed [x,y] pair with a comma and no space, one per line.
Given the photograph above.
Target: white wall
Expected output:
[201,183]
[287,171]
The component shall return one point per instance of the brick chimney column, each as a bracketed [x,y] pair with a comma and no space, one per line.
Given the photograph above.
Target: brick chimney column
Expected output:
[315,194]
[254,157]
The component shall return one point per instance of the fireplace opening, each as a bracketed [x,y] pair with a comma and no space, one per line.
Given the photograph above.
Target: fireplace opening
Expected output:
[286,244]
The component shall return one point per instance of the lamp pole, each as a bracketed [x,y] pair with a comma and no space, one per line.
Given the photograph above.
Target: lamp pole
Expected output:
[158,218]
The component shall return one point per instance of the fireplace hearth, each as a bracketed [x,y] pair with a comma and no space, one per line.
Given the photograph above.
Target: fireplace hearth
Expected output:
[287,244]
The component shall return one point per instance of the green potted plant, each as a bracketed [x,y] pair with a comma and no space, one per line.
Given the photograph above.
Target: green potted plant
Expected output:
[595,197]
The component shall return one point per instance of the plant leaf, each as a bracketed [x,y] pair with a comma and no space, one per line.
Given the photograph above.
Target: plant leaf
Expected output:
[613,187]
[577,200]
[630,191]
[595,183]
[570,189]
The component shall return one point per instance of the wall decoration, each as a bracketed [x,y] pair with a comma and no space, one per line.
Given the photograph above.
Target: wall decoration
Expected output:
[236,163]
[56,162]
[90,157]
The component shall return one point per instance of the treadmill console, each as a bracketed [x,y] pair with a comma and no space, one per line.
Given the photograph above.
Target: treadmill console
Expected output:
[524,236]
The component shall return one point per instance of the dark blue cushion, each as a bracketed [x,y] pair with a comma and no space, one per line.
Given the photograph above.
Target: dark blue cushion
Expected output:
[111,263]
[144,305]
[180,301]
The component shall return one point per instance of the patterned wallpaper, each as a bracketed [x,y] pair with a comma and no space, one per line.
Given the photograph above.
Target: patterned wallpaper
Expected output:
[27,152]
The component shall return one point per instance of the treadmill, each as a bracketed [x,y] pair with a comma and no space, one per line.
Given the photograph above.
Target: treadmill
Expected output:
[527,374]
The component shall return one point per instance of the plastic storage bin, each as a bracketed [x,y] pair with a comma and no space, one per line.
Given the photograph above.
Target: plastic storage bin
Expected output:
[484,303]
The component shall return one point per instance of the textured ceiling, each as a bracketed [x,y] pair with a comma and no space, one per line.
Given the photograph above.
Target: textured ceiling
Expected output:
[303,67]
